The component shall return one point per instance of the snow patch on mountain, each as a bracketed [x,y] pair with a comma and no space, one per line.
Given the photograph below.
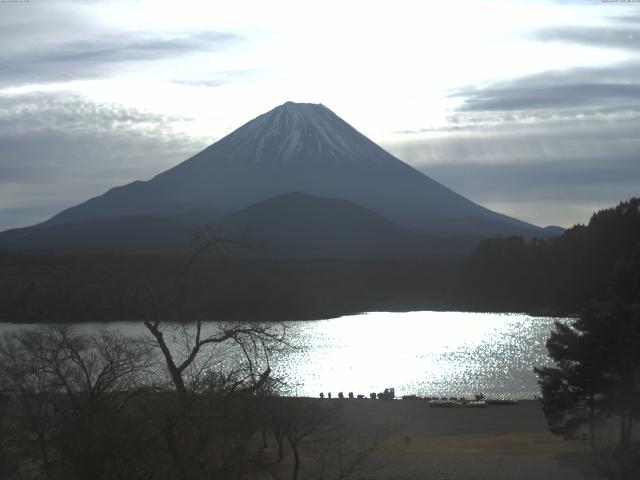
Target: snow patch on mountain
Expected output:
[303,130]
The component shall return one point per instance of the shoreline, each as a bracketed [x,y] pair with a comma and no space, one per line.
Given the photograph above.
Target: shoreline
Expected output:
[558,315]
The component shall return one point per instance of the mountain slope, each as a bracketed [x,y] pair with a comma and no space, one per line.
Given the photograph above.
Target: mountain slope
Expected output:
[293,225]
[127,233]
[297,225]
[301,148]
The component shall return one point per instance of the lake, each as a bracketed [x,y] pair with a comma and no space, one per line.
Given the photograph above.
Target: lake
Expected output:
[424,353]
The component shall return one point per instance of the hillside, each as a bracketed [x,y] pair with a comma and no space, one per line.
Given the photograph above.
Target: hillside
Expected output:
[297,225]
[587,262]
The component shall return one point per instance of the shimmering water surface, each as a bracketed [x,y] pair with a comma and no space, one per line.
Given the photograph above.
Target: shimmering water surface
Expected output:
[425,353]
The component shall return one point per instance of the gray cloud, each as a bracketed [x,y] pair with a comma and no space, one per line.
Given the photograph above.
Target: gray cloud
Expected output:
[519,97]
[629,17]
[529,175]
[605,88]
[616,37]
[586,89]
[143,47]
[95,57]
[32,112]
[514,141]
[550,147]
[563,192]
[575,179]
[58,149]
[23,25]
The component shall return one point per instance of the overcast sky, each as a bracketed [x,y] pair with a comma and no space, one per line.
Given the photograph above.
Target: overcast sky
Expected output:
[529,108]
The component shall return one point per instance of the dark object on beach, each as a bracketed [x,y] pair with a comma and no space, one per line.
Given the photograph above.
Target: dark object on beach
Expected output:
[350,394]
[388,394]
[361,396]
[340,395]
[372,395]
[329,395]
[321,394]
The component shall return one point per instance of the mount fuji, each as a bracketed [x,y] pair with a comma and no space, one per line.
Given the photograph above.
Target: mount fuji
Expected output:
[295,148]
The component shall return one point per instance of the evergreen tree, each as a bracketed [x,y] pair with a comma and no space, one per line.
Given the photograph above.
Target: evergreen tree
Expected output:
[596,372]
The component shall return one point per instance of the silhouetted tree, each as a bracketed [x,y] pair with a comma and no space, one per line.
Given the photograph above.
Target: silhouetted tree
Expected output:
[68,394]
[559,274]
[597,370]
[571,389]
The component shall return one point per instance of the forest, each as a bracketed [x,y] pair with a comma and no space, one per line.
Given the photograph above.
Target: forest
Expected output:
[555,276]
[561,274]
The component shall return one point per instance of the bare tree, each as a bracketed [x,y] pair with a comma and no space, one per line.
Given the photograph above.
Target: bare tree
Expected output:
[306,418]
[256,343]
[317,436]
[215,370]
[6,465]
[341,455]
[65,391]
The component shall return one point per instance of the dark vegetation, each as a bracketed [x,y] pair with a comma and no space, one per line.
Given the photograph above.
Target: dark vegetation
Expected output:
[593,388]
[553,276]
[110,287]
[105,406]
[558,275]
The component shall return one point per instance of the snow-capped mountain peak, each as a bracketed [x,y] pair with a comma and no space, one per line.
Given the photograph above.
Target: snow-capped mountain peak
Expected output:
[298,131]
[306,148]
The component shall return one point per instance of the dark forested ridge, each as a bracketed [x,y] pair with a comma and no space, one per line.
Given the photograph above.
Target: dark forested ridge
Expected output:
[125,287]
[553,276]
[559,274]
